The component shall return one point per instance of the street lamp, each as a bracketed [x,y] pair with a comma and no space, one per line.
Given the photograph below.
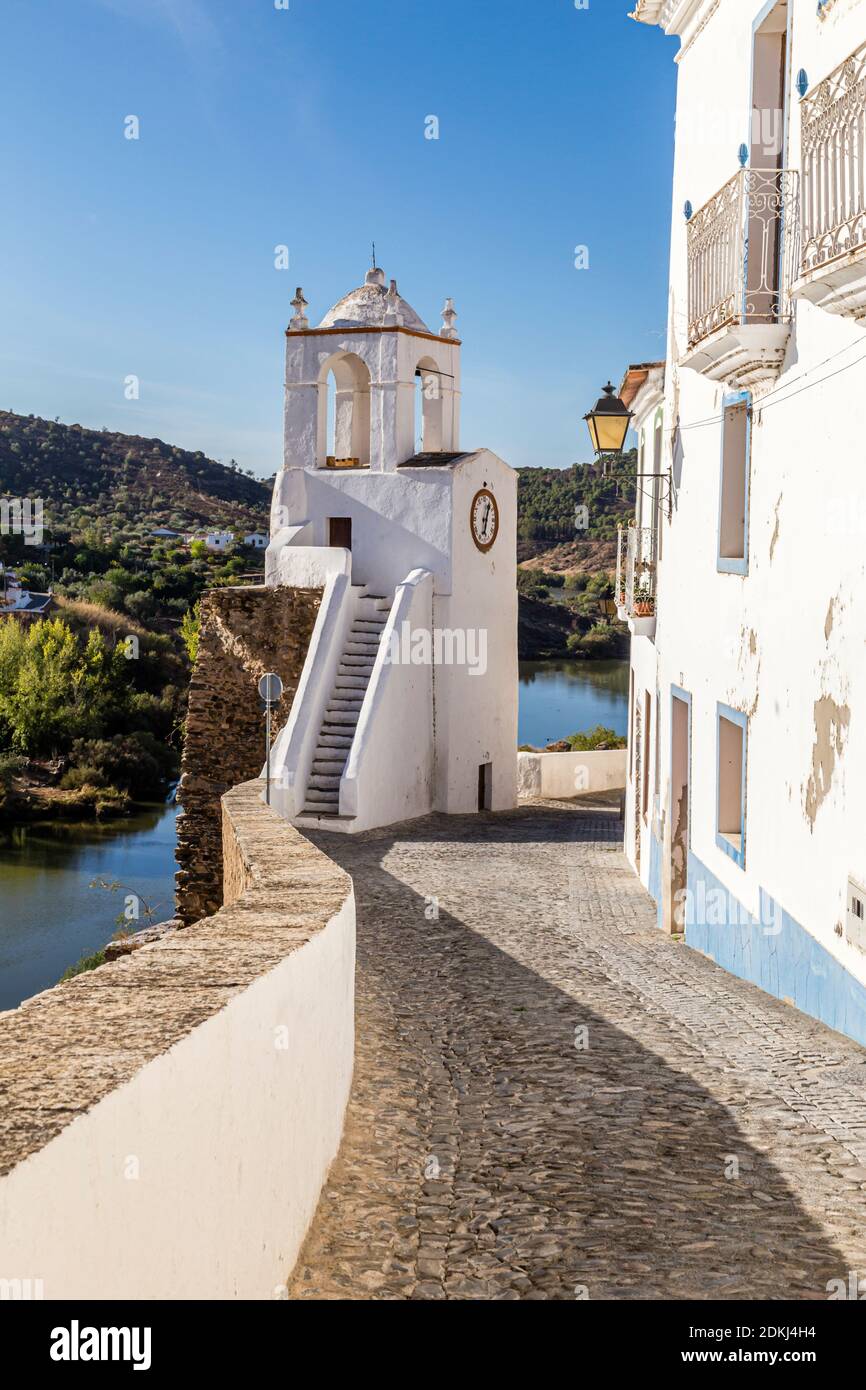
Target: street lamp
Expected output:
[608,607]
[270,694]
[608,423]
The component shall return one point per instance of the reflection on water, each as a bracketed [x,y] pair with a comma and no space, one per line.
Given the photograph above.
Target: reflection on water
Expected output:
[558,698]
[49,914]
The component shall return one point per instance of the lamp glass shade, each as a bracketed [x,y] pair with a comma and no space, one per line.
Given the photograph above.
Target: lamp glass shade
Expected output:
[608,423]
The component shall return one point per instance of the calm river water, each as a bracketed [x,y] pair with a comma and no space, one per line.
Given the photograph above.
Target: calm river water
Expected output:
[558,698]
[50,916]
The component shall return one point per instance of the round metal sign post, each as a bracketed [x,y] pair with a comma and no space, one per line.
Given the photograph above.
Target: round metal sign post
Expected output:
[271,692]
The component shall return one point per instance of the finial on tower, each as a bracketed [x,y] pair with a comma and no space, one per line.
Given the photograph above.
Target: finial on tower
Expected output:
[299,304]
[373,261]
[449,314]
[392,305]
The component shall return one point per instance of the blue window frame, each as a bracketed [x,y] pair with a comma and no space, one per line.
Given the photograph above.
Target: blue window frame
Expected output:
[733,529]
[731,740]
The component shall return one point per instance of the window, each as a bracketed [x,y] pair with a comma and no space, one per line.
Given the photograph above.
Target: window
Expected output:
[734,485]
[340,531]
[485,786]
[766,145]
[647,746]
[658,755]
[639,506]
[731,805]
[657,488]
[631,723]
[428,407]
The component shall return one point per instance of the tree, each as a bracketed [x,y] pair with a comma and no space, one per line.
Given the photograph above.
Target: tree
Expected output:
[52,691]
[190,631]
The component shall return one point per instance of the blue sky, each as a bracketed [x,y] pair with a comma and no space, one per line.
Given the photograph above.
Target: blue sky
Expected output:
[305,127]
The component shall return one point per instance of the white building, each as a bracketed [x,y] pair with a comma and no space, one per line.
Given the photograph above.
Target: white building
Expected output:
[408,699]
[257,540]
[219,540]
[747,762]
[18,602]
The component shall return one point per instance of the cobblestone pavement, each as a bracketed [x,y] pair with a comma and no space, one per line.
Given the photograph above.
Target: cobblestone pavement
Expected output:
[708,1141]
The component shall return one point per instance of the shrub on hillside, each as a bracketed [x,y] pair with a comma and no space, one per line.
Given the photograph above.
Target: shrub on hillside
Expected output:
[134,763]
[598,738]
[601,642]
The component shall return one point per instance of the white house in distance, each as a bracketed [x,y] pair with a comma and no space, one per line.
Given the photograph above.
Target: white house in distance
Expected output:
[18,602]
[257,540]
[747,762]
[408,699]
[219,541]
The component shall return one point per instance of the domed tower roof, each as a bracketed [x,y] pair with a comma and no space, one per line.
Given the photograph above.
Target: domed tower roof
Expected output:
[373,305]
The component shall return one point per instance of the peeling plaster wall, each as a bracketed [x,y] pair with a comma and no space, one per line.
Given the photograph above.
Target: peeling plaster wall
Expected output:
[786,643]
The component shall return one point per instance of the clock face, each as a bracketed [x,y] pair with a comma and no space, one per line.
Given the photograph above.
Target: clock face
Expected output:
[484,519]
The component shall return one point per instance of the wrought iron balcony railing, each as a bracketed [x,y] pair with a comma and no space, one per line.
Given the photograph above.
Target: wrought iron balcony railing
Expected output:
[833,123]
[742,253]
[636,563]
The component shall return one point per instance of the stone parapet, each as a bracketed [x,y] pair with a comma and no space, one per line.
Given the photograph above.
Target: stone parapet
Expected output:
[174,1113]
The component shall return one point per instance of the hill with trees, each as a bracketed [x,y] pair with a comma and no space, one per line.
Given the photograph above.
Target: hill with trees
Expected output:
[102,478]
[567,523]
[556,505]
[92,701]
[84,727]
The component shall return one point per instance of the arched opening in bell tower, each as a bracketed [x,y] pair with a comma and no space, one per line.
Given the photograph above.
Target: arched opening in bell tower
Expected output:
[428,407]
[344,413]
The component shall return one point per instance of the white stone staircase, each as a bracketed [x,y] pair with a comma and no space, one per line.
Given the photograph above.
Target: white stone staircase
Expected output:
[344,708]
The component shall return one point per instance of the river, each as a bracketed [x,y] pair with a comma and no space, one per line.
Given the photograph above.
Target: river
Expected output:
[50,916]
[558,698]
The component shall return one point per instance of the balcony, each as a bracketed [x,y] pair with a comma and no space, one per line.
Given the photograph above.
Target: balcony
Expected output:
[742,257]
[635,590]
[833,124]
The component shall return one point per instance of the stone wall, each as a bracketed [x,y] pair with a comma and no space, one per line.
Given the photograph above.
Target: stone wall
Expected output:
[173,1115]
[244,632]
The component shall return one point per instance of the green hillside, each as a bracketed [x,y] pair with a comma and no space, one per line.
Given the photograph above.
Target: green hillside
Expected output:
[548,500]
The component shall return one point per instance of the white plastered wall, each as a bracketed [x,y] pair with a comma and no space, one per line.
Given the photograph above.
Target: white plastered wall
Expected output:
[787,643]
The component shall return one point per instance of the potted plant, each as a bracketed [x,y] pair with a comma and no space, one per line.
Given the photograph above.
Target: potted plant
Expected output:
[644,606]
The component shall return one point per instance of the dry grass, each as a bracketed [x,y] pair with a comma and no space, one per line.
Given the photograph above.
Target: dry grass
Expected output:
[78,612]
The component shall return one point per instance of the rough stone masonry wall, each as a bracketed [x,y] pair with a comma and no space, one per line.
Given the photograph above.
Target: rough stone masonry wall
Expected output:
[244,632]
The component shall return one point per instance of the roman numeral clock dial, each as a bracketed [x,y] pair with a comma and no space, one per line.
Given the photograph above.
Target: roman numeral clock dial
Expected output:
[484,519]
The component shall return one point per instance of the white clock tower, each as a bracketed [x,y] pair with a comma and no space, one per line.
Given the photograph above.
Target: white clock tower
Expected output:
[408,699]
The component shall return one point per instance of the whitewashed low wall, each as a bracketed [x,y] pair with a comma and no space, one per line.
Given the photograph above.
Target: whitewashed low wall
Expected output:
[311,566]
[171,1118]
[563,775]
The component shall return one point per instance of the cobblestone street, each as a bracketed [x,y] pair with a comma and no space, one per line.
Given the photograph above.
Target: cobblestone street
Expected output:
[707,1141]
